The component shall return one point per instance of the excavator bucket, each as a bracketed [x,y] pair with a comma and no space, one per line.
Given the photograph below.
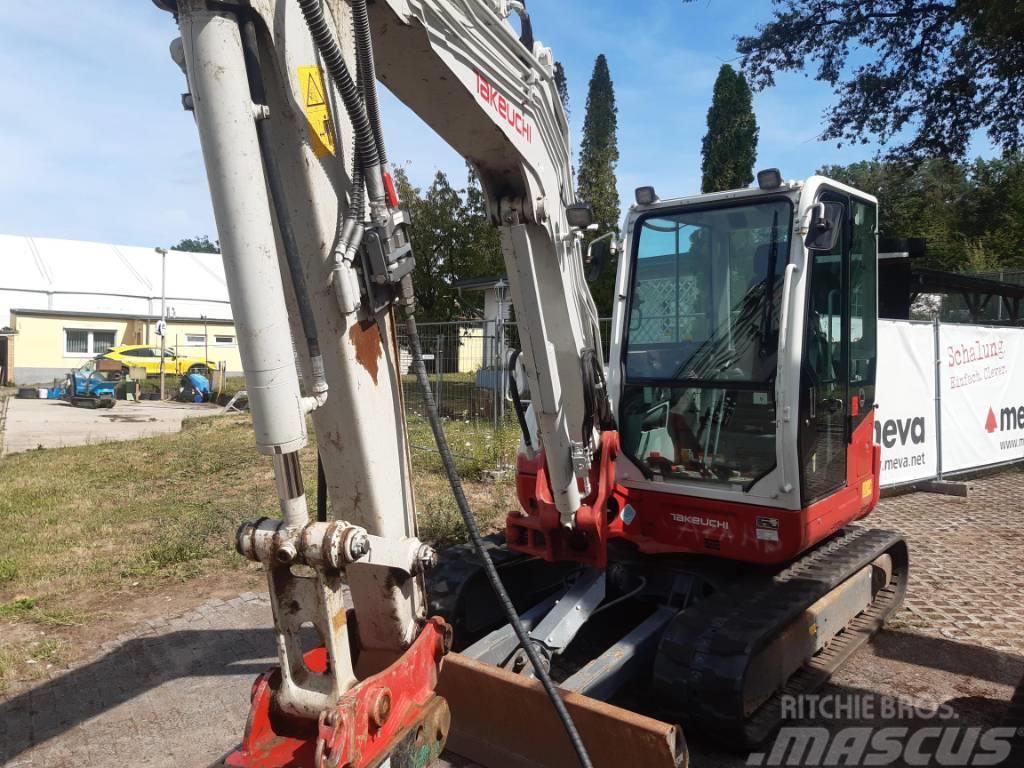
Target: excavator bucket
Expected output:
[504,720]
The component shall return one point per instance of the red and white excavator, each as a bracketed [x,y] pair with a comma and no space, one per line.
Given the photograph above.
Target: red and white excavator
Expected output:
[682,554]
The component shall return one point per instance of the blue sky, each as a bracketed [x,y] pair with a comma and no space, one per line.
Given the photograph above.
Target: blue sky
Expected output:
[95,145]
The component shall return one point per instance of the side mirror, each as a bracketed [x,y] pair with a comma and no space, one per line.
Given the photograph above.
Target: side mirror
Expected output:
[599,253]
[826,219]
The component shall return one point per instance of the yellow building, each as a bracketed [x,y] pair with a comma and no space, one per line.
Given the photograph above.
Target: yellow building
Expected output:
[69,300]
[46,344]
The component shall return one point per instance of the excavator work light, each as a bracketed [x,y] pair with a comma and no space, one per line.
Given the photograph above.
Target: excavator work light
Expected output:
[580,215]
[646,196]
[769,178]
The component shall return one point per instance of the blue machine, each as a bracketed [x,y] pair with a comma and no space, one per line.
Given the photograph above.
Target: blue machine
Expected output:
[91,388]
[195,388]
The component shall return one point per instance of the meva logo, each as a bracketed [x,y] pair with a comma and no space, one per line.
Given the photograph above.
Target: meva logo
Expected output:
[1009,418]
[902,431]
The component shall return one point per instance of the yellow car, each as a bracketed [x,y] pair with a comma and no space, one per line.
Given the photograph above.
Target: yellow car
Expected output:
[142,356]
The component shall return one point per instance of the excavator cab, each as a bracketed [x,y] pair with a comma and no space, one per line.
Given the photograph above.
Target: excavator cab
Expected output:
[743,362]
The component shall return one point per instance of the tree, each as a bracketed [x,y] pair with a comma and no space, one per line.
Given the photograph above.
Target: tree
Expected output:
[452,238]
[563,86]
[197,244]
[927,73]
[971,214]
[729,148]
[599,154]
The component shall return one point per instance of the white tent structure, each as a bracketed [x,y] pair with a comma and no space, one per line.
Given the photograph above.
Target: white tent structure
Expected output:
[79,276]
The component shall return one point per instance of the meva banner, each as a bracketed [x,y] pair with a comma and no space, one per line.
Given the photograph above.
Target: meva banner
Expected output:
[982,377]
[905,394]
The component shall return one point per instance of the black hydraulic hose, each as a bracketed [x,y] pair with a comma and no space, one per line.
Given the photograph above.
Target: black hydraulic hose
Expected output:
[367,73]
[366,142]
[357,195]
[250,50]
[517,401]
[474,535]
[321,490]
[526,33]
[596,408]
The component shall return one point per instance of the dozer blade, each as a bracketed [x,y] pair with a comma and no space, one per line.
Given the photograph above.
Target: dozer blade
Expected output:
[504,720]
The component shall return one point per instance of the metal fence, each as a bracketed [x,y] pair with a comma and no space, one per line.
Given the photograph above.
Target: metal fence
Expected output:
[467,362]
[953,308]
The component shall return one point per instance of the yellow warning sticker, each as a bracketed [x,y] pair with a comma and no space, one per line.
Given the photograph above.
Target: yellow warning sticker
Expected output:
[321,129]
[867,488]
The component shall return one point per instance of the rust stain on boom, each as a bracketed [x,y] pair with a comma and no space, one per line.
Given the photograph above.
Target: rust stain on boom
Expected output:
[365,337]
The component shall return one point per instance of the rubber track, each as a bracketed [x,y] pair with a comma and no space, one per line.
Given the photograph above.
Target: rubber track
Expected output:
[705,652]
[456,567]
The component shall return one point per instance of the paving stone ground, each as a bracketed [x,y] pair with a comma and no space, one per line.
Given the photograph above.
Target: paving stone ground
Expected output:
[174,692]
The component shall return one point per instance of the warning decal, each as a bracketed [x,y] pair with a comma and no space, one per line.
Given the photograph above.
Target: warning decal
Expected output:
[321,130]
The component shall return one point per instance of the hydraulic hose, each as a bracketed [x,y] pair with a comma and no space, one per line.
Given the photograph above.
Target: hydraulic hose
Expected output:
[250,50]
[474,535]
[517,402]
[526,35]
[368,74]
[321,489]
[366,142]
[351,235]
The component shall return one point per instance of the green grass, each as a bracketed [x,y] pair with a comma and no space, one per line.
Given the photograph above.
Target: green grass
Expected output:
[476,446]
[19,608]
[469,377]
[94,519]
[82,525]
[29,608]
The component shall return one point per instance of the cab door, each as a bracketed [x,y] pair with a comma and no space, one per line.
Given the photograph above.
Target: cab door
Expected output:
[824,399]
[840,350]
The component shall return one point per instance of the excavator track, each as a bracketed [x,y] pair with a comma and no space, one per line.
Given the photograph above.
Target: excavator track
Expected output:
[706,652]
[457,567]
[459,592]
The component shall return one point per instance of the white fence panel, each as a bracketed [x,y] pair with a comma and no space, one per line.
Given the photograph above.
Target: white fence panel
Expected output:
[905,425]
[982,378]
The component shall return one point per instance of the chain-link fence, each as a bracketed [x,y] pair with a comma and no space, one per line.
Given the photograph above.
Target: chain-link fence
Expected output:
[467,362]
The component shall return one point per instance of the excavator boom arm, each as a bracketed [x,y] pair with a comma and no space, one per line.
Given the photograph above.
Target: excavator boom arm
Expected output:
[316,251]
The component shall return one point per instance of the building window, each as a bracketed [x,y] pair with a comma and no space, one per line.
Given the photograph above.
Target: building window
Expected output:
[195,338]
[224,340]
[83,342]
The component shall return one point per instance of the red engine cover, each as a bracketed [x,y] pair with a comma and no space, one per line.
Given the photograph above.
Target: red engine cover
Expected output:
[661,523]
